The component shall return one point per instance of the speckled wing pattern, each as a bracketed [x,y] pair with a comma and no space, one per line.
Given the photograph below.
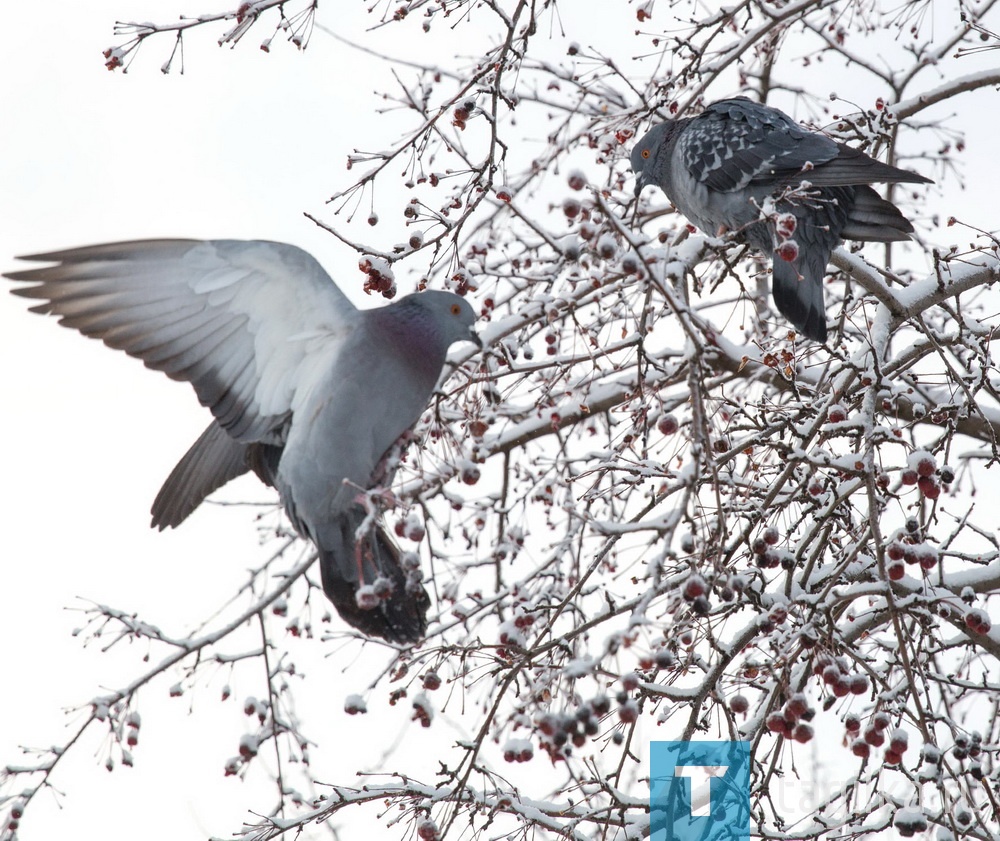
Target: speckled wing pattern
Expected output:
[736,143]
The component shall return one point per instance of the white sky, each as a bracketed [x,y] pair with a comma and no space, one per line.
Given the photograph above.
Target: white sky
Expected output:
[237,147]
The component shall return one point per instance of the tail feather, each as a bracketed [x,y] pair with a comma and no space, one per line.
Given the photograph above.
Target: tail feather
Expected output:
[212,461]
[400,616]
[872,218]
[797,289]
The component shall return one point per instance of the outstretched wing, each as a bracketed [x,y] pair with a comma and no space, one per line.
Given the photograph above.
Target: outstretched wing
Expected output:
[736,142]
[251,325]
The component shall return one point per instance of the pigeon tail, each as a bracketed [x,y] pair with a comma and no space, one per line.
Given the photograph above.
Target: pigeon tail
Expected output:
[399,617]
[797,289]
[872,218]
[212,461]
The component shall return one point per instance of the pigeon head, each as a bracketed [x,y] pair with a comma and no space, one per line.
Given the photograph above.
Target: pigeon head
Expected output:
[422,327]
[647,151]
[453,318]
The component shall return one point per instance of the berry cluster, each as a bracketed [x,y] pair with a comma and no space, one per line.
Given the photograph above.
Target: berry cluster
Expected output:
[380,277]
[792,719]
[369,596]
[905,549]
[836,674]
[561,732]
[922,471]
[768,555]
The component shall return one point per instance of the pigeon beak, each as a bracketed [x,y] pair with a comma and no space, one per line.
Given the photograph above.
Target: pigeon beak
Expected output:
[639,184]
[475,338]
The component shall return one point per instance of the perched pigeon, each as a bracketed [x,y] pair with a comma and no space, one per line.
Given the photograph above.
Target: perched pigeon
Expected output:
[718,169]
[307,391]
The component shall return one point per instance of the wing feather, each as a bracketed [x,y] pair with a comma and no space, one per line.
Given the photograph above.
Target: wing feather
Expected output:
[251,325]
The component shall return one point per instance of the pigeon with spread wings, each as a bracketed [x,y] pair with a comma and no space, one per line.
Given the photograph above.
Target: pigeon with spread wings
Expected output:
[306,390]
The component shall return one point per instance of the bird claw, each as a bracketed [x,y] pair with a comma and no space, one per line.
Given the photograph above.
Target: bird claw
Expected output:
[376,499]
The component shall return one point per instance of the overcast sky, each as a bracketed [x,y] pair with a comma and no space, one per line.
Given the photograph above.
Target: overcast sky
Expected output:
[239,146]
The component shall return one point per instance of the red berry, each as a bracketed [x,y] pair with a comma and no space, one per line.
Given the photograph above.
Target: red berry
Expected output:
[695,586]
[776,724]
[802,733]
[909,477]
[628,712]
[571,208]
[896,570]
[874,737]
[894,551]
[788,251]
[899,741]
[739,704]
[852,723]
[978,621]
[354,705]
[785,225]
[607,247]
[859,683]
[836,413]
[664,658]
[923,462]
[427,830]
[770,559]
[929,487]
[927,556]
[771,536]
[576,180]
[859,747]
[667,425]
[366,598]
[797,706]
[432,681]
[373,219]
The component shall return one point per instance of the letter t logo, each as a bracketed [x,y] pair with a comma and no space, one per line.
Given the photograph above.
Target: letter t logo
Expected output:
[701,786]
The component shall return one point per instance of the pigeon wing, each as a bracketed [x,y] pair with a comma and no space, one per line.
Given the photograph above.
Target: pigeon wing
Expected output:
[251,325]
[737,143]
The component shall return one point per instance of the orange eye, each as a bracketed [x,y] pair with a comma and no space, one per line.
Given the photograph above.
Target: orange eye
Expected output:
[455,309]
[645,153]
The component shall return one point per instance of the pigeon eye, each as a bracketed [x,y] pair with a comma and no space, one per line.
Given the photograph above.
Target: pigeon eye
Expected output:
[645,153]
[455,309]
